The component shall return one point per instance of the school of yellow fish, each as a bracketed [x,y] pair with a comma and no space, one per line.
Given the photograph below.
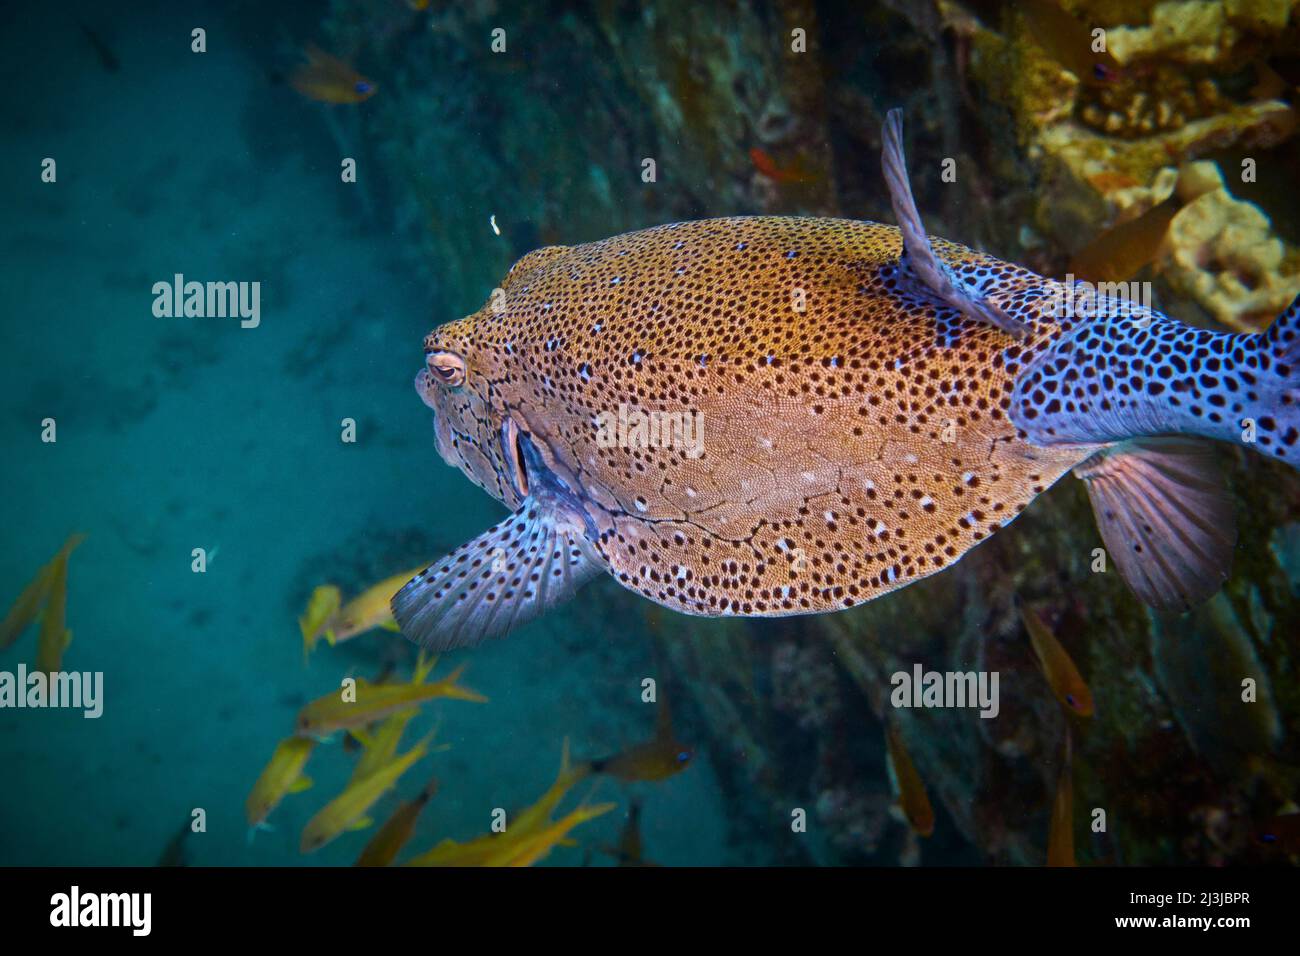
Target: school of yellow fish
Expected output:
[373,715]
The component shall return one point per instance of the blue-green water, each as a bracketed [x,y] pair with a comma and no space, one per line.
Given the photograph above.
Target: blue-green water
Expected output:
[184,433]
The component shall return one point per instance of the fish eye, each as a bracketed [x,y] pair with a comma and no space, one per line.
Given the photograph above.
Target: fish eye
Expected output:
[447,367]
[684,756]
[362,87]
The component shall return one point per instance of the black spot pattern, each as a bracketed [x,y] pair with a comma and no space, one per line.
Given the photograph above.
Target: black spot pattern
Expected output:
[1126,372]
[857,436]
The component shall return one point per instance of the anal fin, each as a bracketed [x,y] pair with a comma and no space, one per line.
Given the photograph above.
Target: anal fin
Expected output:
[535,559]
[1165,518]
[918,255]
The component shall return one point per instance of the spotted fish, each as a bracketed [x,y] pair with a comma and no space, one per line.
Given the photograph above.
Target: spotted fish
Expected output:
[843,409]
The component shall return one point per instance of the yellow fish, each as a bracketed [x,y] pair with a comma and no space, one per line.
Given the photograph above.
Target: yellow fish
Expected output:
[1062,676]
[1120,252]
[773,416]
[282,776]
[321,607]
[325,617]
[368,610]
[1060,838]
[630,850]
[392,836]
[656,759]
[381,743]
[489,846]
[26,607]
[1069,42]
[912,797]
[371,702]
[348,810]
[28,604]
[327,79]
[568,776]
[49,653]
[452,853]
[54,636]
[533,847]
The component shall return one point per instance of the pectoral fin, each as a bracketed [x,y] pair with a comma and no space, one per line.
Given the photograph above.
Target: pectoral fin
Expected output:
[301,784]
[919,257]
[505,577]
[1165,518]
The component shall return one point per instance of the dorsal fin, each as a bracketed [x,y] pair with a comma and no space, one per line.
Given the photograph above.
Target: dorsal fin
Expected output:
[918,255]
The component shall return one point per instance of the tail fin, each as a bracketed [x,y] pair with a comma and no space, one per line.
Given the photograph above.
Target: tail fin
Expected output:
[449,687]
[1278,426]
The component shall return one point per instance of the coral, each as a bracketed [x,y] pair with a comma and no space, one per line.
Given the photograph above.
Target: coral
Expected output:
[1223,254]
[1198,31]
[1073,156]
[1165,101]
[1104,151]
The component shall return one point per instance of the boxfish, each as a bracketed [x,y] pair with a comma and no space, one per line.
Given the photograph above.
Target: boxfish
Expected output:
[769,416]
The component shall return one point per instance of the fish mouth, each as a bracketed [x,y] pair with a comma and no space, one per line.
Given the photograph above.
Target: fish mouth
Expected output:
[424,386]
[514,456]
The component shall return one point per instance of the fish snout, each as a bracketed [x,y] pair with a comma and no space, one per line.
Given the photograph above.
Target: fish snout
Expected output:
[424,387]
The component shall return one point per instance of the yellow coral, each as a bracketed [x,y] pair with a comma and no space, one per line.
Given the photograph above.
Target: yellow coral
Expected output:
[1222,253]
[1198,31]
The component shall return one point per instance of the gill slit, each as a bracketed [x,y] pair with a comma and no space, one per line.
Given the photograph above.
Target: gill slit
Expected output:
[514,456]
